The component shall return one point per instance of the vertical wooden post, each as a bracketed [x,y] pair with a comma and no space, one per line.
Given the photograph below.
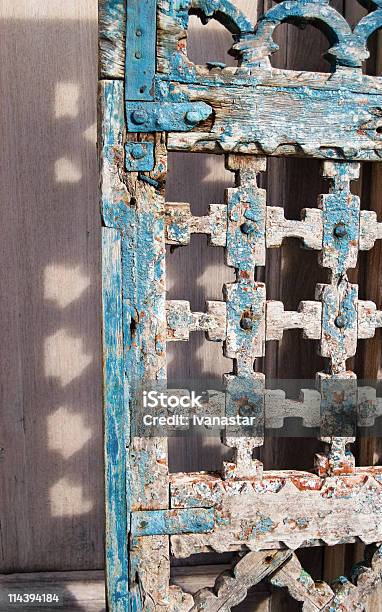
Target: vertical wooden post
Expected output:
[116,416]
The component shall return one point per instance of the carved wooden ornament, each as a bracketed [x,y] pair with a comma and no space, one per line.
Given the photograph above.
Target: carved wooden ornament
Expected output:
[153,99]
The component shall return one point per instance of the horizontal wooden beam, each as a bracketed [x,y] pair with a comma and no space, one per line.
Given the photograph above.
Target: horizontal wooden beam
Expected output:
[280,509]
[321,121]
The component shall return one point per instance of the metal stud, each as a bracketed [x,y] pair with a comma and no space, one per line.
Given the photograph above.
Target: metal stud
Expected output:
[192,117]
[340,231]
[138,152]
[246,323]
[139,117]
[340,321]
[247,228]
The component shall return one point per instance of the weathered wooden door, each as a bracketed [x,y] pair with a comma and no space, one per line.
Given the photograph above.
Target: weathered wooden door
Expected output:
[153,100]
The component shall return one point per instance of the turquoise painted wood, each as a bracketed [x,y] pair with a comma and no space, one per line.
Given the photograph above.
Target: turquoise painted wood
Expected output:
[154,99]
[168,522]
[140,49]
[116,424]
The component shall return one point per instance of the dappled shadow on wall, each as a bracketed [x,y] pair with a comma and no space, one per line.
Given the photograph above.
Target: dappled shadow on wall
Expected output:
[51,505]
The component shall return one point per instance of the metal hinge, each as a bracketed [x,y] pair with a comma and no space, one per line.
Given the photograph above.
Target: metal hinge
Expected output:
[144,114]
[165,116]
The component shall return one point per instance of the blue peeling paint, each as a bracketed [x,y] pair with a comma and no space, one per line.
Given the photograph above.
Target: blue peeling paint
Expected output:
[241,247]
[262,527]
[247,299]
[336,337]
[142,268]
[245,397]
[340,209]
[140,49]
[165,116]
[116,425]
[170,522]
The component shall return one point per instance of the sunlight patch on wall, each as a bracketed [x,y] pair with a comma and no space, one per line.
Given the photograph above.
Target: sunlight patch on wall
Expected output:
[64,356]
[91,133]
[65,171]
[66,99]
[91,592]
[67,432]
[67,499]
[64,284]
[215,270]
[214,171]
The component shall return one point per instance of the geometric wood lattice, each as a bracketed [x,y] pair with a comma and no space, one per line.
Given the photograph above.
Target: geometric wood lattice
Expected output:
[152,100]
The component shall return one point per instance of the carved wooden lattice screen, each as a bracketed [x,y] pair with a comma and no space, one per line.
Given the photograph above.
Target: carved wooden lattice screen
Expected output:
[153,99]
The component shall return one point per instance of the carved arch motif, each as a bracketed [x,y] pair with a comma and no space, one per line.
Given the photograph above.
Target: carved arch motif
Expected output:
[328,19]
[349,47]
[366,27]
[223,11]
[255,46]
[173,23]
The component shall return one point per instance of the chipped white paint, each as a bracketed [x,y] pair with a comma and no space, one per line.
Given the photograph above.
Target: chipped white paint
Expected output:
[181,321]
[180,224]
[309,229]
[370,230]
[307,318]
[369,318]
[282,508]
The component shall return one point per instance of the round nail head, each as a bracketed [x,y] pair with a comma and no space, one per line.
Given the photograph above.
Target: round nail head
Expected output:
[139,117]
[192,117]
[246,410]
[138,33]
[340,231]
[339,321]
[246,323]
[247,228]
[138,55]
[138,152]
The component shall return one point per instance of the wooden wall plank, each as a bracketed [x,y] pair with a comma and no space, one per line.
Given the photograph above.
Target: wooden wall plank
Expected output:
[369,361]
[51,477]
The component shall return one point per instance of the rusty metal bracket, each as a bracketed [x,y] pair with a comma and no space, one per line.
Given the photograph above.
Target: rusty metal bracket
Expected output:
[165,116]
[140,49]
[143,112]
